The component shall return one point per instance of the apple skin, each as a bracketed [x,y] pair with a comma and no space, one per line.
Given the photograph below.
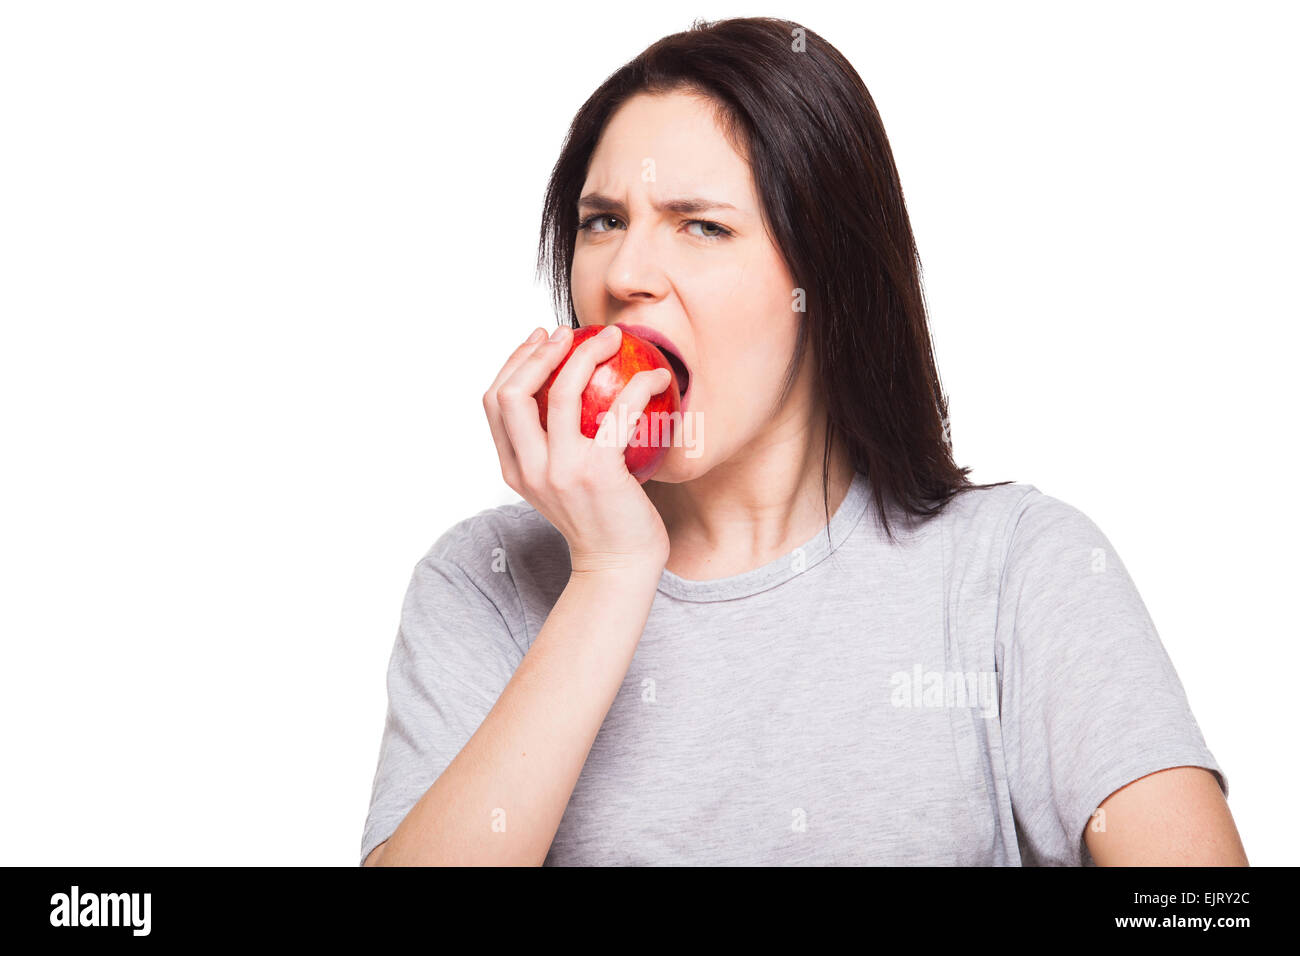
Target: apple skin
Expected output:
[634,355]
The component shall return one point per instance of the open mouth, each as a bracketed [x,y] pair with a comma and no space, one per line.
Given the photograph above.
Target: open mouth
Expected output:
[679,370]
[660,341]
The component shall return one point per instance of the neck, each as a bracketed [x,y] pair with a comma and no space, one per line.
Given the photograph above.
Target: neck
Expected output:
[752,508]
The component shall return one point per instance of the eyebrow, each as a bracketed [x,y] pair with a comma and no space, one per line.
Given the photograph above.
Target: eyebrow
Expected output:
[684,205]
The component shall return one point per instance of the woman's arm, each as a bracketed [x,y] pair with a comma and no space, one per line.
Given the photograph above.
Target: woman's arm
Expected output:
[1175,817]
[500,801]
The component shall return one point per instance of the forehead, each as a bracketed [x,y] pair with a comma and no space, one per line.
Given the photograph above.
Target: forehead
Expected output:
[678,133]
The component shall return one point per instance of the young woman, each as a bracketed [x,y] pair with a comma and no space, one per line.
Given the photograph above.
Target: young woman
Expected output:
[809,639]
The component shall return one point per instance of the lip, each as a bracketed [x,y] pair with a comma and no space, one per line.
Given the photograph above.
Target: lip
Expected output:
[657,338]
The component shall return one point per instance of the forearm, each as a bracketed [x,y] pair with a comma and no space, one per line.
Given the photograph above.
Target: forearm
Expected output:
[500,801]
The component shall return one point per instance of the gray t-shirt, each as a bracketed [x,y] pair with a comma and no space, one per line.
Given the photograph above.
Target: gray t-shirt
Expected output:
[966,695]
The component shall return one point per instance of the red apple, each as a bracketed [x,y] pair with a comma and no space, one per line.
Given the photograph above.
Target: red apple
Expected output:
[652,437]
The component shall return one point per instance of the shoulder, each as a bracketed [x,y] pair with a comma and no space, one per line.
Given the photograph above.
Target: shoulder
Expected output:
[470,541]
[1018,516]
[1061,574]
[1005,536]
[1046,532]
[986,509]
[471,568]
[977,523]
[501,550]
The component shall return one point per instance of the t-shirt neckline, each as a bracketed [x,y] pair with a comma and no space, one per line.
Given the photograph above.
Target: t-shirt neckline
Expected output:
[782,569]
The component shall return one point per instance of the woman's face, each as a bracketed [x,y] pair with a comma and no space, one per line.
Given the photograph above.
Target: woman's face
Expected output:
[704,274]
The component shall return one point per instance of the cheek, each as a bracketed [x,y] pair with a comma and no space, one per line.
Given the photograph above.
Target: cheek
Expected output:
[745,372]
[747,298]
[748,333]
[760,292]
[584,279]
[577,285]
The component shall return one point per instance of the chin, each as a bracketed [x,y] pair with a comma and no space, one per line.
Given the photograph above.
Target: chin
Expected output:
[685,460]
[677,468]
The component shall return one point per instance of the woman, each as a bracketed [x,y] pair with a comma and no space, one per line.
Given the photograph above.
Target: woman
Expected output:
[809,639]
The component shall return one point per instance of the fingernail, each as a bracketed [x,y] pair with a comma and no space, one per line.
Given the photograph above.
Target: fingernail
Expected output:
[610,331]
[537,336]
[558,333]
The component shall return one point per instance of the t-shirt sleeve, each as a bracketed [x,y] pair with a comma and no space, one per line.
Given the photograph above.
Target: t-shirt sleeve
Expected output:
[1090,700]
[453,656]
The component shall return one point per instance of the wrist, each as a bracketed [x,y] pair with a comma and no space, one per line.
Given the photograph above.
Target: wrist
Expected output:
[615,567]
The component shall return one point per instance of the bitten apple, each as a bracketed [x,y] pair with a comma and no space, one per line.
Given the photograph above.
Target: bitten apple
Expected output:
[652,436]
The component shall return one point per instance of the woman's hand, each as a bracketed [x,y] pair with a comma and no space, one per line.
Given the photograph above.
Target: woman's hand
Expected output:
[581,485]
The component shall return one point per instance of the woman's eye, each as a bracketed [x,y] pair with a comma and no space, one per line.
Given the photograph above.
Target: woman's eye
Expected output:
[711,230]
[591,221]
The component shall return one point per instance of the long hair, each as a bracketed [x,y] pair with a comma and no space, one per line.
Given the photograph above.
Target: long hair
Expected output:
[795,108]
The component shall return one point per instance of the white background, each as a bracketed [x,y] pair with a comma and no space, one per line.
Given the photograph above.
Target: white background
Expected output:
[258,262]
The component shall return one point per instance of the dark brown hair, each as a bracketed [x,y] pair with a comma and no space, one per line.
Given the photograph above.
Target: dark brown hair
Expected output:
[833,204]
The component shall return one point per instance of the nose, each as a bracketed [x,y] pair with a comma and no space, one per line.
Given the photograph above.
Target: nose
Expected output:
[633,274]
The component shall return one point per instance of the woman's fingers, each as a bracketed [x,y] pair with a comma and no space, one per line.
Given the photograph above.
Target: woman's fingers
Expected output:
[564,400]
[519,415]
[527,452]
[505,450]
[517,357]
[622,422]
